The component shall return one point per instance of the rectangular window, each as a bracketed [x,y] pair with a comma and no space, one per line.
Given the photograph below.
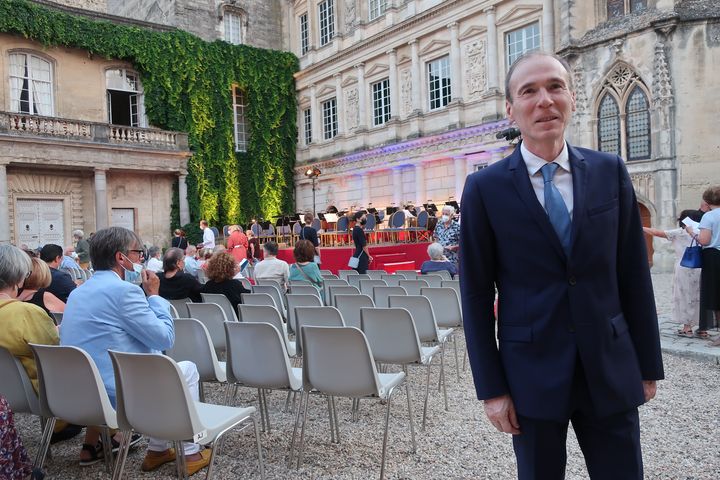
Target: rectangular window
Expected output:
[381,101]
[330,122]
[522,40]
[327,21]
[377,8]
[241,131]
[307,123]
[304,34]
[439,85]
[31,88]
[233,31]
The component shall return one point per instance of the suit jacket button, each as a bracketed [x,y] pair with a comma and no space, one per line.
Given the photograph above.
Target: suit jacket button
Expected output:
[572,281]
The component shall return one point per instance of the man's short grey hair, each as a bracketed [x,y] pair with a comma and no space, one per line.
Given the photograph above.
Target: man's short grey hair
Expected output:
[153,251]
[78,233]
[15,265]
[190,250]
[449,209]
[435,251]
[528,56]
[171,259]
[107,242]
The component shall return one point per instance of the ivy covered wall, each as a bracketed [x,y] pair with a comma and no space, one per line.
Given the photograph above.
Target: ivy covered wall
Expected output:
[188,87]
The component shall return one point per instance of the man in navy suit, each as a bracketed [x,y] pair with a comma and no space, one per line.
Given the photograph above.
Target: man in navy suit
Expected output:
[556,230]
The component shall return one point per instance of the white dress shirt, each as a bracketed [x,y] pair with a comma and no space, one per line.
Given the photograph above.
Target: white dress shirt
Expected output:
[562,178]
[208,238]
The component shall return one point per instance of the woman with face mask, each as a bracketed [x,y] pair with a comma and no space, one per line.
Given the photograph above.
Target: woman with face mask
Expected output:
[361,248]
[447,234]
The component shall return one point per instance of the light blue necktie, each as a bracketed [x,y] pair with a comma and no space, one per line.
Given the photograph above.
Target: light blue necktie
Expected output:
[555,206]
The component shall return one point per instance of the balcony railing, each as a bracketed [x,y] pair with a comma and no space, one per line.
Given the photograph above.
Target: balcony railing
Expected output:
[65,129]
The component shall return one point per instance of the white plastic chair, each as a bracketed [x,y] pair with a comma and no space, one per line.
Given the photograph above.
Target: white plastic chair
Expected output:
[392,280]
[354,280]
[441,273]
[338,363]
[455,285]
[181,307]
[375,274]
[366,286]
[329,276]
[304,290]
[267,314]
[344,274]
[350,305]
[258,299]
[316,317]
[143,379]
[393,339]
[413,286]
[258,358]
[300,300]
[381,294]
[408,274]
[223,302]
[193,343]
[448,314]
[431,279]
[274,292]
[331,282]
[71,388]
[213,317]
[334,290]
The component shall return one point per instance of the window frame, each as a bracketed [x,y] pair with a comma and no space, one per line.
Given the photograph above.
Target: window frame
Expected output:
[307,125]
[326,30]
[622,101]
[376,9]
[329,118]
[304,33]
[380,91]
[241,135]
[524,40]
[29,55]
[628,7]
[138,93]
[232,16]
[443,99]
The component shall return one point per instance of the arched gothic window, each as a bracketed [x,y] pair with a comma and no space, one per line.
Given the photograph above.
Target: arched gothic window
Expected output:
[623,115]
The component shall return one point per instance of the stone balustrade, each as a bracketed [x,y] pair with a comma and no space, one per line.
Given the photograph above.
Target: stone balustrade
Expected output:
[65,129]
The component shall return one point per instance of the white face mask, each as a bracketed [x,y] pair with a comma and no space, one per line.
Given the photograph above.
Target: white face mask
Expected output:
[445,218]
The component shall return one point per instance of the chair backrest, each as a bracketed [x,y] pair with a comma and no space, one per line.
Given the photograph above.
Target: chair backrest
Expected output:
[256,229]
[299,282]
[408,274]
[455,285]
[296,228]
[316,224]
[213,317]
[258,299]
[194,343]
[304,290]
[71,387]
[143,379]
[317,317]
[173,312]
[381,294]
[446,306]
[324,271]
[246,282]
[263,314]
[223,302]
[301,300]
[370,223]
[274,292]
[431,279]
[422,314]
[350,305]
[354,280]
[340,290]
[181,307]
[344,274]
[375,274]
[413,286]
[58,317]
[268,281]
[338,362]
[257,356]
[343,224]
[391,334]
[397,219]
[329,282]
[366,286]
[422,219]
[443,274]
[392,280]
[15,385]
[328,276]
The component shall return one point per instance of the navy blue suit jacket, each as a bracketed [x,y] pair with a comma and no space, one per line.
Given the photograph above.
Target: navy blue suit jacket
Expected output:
[596,305]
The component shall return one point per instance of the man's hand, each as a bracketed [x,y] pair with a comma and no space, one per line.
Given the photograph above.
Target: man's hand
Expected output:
[150,282]
[650,388]
[501,413]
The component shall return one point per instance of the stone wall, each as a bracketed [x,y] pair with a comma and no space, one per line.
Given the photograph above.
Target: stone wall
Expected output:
[94,5]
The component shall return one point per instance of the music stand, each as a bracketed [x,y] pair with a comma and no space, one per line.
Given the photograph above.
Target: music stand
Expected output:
[453,204]
[331,217]
[390,210]
[321,216]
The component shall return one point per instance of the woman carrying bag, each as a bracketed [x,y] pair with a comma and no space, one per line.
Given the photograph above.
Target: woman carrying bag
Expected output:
[361,250]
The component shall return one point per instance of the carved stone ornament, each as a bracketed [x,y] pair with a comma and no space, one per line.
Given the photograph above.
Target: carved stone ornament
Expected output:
[406,91]
[644,184]
[475,72]
[352,111]
[350,16]
[662,87]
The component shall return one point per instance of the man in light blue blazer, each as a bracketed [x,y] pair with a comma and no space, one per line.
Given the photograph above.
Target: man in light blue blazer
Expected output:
[111,311]
[555,229]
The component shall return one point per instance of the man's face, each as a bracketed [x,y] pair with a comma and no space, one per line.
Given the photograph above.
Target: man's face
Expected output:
[542,102]
[202,227]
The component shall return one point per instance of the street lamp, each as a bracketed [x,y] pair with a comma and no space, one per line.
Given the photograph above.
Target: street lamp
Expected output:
[312,173]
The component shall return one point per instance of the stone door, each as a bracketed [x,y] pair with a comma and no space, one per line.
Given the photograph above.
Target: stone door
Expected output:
[39,222]
[123,217]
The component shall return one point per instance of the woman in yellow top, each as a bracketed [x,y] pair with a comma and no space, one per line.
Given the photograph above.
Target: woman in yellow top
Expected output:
[21,323]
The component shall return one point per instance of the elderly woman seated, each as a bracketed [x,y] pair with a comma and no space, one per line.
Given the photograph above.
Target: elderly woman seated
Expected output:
[437,261]
[175,284]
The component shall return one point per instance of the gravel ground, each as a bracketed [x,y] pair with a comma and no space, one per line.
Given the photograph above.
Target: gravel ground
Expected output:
[679,434]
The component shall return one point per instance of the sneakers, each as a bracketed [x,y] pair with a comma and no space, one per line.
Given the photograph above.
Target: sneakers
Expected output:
[157,459]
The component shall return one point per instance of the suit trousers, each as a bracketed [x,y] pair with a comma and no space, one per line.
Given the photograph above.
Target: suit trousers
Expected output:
[610,444]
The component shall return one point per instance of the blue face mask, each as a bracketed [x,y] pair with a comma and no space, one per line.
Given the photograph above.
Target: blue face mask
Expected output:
[133,276]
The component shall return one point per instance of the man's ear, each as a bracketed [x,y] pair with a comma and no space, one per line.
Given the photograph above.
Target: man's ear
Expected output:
[508,109]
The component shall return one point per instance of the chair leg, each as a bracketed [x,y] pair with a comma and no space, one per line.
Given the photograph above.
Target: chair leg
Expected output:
[295,427]
[261,464]
[385,437]
[335,420]
[201,391]
[301,447]
[427,395]
[180,462]
[228,392]
[287,402]
[261,407]
[122,455]
[107,449]
[410,413]
[267,410]
[465,360]
[443,380]
[457,362]
[44,443]
[331,419]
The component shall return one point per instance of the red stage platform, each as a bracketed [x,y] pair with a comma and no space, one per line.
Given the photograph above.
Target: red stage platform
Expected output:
[405,256]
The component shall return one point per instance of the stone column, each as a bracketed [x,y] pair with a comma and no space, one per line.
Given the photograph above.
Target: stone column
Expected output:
[4,207]
[416,76]
[397,186]
[340,104]
[314,116]
[460,173]
[492,49]
[456,81]
[548,26]
[420,188]
[182,194]
[362,97]
[394,86]
[364,189]
[101,206]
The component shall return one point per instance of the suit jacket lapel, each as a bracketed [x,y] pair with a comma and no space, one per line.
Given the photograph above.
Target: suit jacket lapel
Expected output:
[521,180]
[579,179]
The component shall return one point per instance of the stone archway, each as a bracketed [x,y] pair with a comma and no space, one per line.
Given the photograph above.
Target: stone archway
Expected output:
[646,219]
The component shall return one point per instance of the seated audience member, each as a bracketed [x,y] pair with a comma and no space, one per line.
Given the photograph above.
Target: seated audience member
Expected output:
[437,261]
[272,268]
[175,284]
[179,240]
[447,233]
[304,268]
[221,269]
[205,255]
[154,263]
[110,312]
[34,292]
[69,259]
[61,284]
[191,263]
[82,248]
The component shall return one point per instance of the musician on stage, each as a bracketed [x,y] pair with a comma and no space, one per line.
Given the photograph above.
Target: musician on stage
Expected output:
[447,234]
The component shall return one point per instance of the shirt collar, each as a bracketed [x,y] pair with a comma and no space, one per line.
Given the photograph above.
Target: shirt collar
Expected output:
[535,163]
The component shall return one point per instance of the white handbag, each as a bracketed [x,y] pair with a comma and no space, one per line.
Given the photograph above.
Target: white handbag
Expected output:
[354,261]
